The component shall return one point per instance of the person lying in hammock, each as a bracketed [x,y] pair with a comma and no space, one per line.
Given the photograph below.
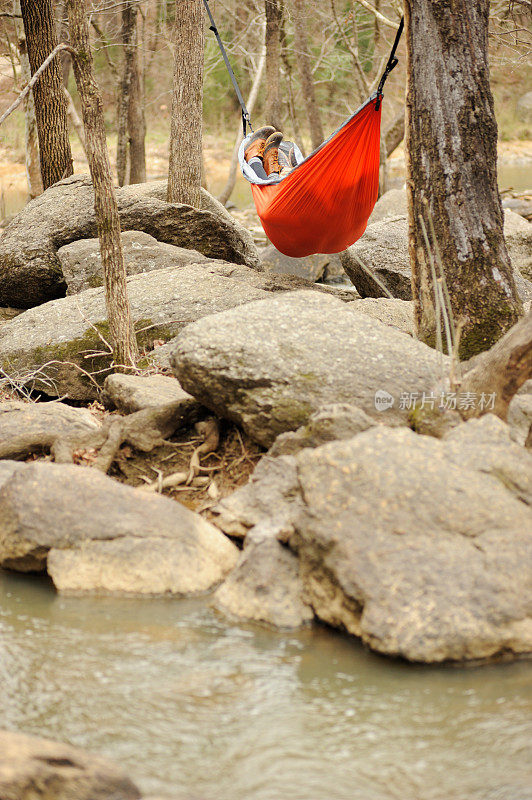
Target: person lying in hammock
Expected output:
[265,156]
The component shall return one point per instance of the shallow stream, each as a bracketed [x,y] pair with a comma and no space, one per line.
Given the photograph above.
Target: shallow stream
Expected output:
[195,707]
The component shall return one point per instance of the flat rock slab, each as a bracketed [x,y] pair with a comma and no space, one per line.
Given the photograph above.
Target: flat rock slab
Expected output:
[32,767]
[50,347]
[384,250]
[265,587]
[270,364]
[417,546]
[30,269]
[81,261]
[33,427]
[94,534]
[398,313]
[130,393]
[392,203]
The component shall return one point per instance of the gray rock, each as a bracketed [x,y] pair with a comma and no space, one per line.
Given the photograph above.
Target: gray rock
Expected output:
[331,423]
[48,347]
[81,261]
[398,313]
[520,417]
[265,587]
[94,534]
[33,427]
[312,268]
[384,250]
[519,205]
[524,107]
[485,445]
[30,270]
[401,544]
[392,204]
[130,393]
[271,364]
[267,504]
[518,235]
[32,767]
[7,468]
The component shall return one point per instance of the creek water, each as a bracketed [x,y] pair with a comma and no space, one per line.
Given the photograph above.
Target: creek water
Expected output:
[196,707]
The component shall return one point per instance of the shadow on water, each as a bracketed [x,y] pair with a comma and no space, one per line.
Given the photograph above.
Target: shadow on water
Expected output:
[195,706]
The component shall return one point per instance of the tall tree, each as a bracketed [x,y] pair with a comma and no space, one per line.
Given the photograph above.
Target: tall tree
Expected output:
[131,123]
[186,152]
[50,103]
[305,74]
[452,173]
[274,13]
[105,206]
[31,137]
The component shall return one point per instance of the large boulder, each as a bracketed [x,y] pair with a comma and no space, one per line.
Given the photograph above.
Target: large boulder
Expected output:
[93,534]
[383,249]
[524,107]
[57,347]
[270,364]
[30,269]
[419,546]
[31,767]
[81,261]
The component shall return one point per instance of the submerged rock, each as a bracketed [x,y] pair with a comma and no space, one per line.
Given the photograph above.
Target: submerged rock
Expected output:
[270,364]
[93,534]
[30,269]
[32,767]
[265,586]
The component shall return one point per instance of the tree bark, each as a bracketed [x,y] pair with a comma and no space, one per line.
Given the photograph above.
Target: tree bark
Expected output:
[33,165]
[502,370]
[452,172]
[108,221]
[50,104]
[274,13]
[305,74]
[184,168]
[131,123]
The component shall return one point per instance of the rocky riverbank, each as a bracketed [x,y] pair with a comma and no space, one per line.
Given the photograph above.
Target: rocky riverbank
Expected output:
[268,450]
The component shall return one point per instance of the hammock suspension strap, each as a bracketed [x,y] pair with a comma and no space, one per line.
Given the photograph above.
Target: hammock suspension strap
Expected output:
[392,62]
[246,120]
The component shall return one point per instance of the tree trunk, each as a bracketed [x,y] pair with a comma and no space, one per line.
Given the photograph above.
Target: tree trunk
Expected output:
[50,104]
[452,172]
[274,12]
[33,166]
[305,74]
[184,168]
[130,109]
[395,133]
[108,221]
[127,34]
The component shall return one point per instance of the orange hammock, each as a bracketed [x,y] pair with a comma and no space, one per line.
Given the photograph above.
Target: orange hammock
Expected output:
[324,204]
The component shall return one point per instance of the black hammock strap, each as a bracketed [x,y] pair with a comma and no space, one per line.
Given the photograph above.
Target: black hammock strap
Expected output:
[246,120]
[392,63]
